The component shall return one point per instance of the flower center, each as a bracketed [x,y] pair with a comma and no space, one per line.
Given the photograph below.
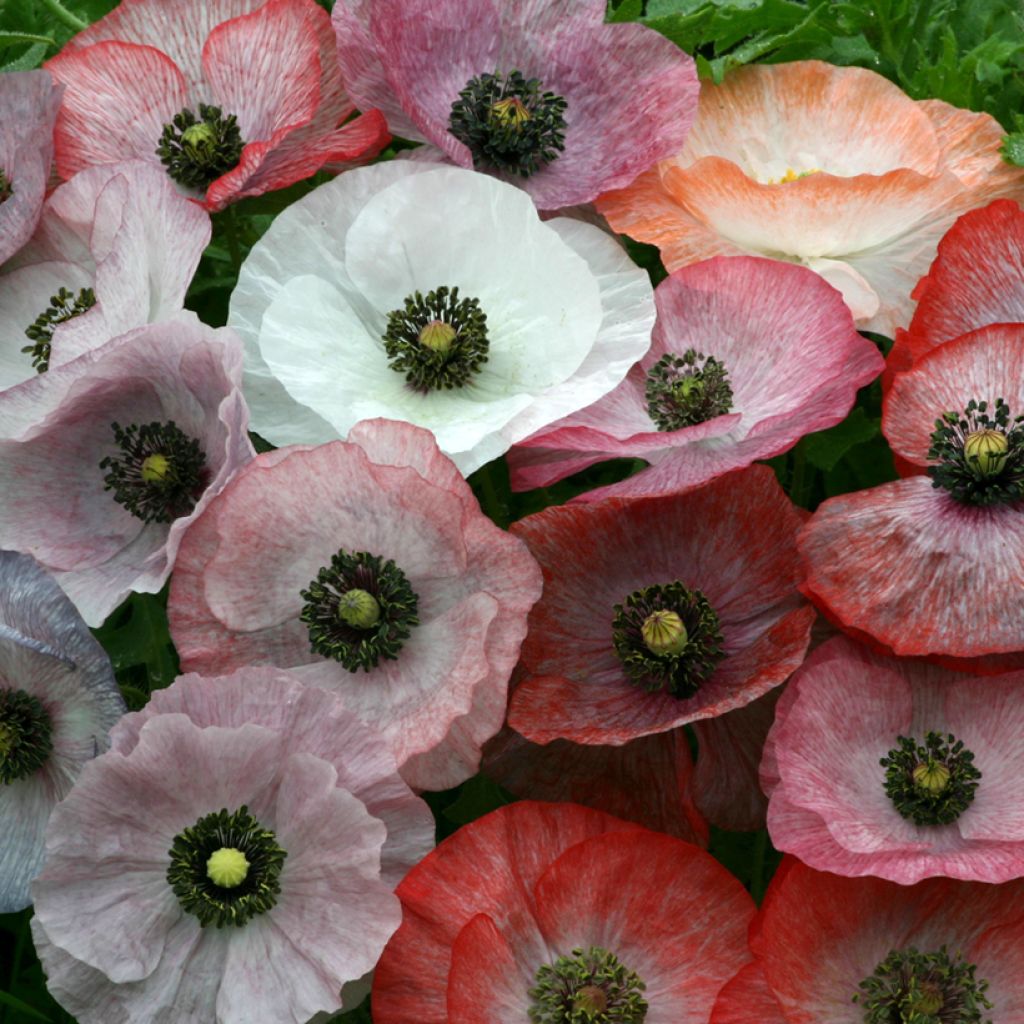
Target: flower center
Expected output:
[437,341]
[26,735]
[980,456]
[590,986]
[909,987]
[667,638]
[509,123]
[359,609]
[687,389]
[225,869]
[197,151]
[931,783]
[6,189]
[64,306]
[792,175]
[159,474]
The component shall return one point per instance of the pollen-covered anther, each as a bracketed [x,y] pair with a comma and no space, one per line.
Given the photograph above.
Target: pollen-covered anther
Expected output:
[930,783]
[26,735]
[589,986]
[64,306]
[682,391]
[198,150]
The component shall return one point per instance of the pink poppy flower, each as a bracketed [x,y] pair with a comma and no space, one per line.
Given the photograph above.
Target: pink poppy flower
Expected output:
[691,611]
[116,248]
[977,279]
[253,877]
[28,109]
[104,461]
[529,92]
[648,781]
[831,167]
[748,355]
[866,950]
[897,768]
[935,567]
[233,98]
[378,577]
[58,699]
[538,910]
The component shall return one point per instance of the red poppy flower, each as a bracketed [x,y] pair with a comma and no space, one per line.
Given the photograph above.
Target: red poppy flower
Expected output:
[660,611]
[234,97]
[538,910]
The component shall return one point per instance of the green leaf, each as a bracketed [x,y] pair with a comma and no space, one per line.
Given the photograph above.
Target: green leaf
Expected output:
[1013,149]
[628,10]
[13,38]
[477,797]
[31,58]
[136,638]
[6,999]
[825,448]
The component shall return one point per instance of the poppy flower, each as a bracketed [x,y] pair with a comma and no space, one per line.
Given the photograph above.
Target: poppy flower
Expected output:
[831,167]
[897,768]
[377,577]
[869,951]
[529,92]
[748,355]
[58,699]
[553,912]
[691,610]
[251,877]
[28,102]
[105,460]
[933,564]
[437,296]
[232,98]
[115,248]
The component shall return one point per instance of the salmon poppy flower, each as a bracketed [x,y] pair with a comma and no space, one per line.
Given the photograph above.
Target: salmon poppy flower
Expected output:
[28,105]
[58,700]
[933,564]
[529,92]
[748,355]
[831,167]
[553,912]
[977,279]
[692,610]
[233,98]
[897,768]
[869,951]
[116,248]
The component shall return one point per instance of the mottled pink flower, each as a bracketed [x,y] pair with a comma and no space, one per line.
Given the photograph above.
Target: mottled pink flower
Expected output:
[531,92]
[58,699]
[935,567]
[976,279]
[856,950]
[538,909]
[691,610]
[233,97]
[252,878]
[116,248]
[748,355]
[104,461]
[28,109]
[897,768]
[368,568]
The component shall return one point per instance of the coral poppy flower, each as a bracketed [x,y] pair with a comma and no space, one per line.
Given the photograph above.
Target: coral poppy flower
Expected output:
[748,355]
[936,566]
[869,951]
[104,461]
[378,577]
[648,781]
[116,248]
[832,167]
[233,98]
[58,699]
[28,110]
[977,279]
[529,92]
[897,768]
[692,610]
[553,912]
[437,296]
[252,877]
[747,999]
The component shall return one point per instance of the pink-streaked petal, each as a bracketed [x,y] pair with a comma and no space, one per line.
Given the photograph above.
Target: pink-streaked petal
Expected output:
[747,999]
[117,99]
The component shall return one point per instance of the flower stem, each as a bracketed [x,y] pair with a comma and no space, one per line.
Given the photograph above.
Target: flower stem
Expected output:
[490,483]
[231,235]
[59,11]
